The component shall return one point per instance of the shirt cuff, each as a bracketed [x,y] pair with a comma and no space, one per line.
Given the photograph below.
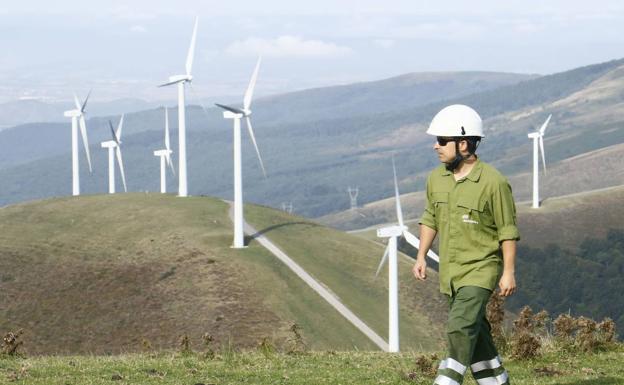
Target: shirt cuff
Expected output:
[509,232]
[428,221]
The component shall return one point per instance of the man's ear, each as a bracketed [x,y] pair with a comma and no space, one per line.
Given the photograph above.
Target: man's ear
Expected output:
[463,145]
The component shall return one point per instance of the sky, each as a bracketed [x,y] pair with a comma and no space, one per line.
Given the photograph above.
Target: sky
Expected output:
[123,49]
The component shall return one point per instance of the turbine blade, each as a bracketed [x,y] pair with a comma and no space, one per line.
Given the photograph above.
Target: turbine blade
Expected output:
[383,260]
[170,163]
[414,241]
[119,127]
[543,128]
[110,124]
[433,256]
[252,85]
[121,167]
[396,195]
[85,141]
[169,83]
[253,139]
[231,109]
[191,51]
[84,104]
[197,100]
[76,102]
[411,239]
[167,143]
[541,145]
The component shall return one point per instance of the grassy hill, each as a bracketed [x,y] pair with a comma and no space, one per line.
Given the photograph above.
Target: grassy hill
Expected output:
[348,368]
[103,274]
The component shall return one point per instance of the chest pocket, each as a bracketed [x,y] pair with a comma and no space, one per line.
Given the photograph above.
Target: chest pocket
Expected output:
[440,202]
[474,211]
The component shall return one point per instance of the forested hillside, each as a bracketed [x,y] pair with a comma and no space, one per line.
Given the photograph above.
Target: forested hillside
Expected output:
[586,281]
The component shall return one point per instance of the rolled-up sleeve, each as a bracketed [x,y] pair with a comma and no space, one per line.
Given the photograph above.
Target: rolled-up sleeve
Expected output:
[428,218]
[504,212]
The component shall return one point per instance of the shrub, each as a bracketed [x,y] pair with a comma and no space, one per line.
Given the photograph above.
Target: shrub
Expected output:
[495,313]
[11,343]
[296,342]
[527,333]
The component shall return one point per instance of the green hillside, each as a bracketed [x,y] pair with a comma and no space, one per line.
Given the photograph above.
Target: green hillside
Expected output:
[106,274]
[347,368]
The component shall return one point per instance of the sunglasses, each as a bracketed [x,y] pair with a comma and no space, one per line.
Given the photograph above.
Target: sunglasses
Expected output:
[443,140]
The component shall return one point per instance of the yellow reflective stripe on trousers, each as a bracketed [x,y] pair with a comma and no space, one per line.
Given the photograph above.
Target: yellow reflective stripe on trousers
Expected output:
[487,364]
[498,380]
[444,380]
[454,365]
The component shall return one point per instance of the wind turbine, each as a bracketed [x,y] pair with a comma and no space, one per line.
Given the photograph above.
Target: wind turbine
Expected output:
[75,115]
[237,114]
[180,80]
[538,139]
[393,233]
[165,157]
[114,151]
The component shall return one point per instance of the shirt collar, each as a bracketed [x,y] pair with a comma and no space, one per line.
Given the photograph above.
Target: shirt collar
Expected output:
[474,174]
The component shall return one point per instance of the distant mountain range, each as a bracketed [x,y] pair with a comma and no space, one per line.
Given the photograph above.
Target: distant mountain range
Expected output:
[34,111]
[316,143]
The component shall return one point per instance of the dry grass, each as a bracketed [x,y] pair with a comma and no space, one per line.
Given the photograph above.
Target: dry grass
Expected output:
[136,272]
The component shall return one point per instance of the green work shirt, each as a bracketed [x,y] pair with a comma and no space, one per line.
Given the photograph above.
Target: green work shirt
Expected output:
[472,216]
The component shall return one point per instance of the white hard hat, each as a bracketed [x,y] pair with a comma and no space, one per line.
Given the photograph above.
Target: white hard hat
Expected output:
[456,120]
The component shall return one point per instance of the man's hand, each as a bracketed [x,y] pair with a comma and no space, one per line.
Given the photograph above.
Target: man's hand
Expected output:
[507,284]
[420,269]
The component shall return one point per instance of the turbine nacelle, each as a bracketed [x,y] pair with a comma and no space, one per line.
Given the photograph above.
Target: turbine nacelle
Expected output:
[175,79]
[162,152]
[535,134]
[232,115]
[180,78]
[391,231]
[109,144]
[72,114]
[234,112]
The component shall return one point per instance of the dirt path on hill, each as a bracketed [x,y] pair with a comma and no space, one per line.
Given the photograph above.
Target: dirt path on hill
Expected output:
[313,283]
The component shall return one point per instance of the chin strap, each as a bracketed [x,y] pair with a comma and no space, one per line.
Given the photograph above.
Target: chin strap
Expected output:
[451,166]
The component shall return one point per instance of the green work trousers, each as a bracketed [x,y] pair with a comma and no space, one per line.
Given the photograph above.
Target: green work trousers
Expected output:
[469,340]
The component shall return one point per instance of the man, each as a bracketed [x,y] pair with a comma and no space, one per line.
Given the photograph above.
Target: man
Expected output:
[469,203]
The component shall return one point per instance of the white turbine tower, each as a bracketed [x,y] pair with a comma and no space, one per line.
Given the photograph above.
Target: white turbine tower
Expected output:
[538,140]
[393,233]
[114,151]
[78,115]
[180,80]
[165,157]
[237,114]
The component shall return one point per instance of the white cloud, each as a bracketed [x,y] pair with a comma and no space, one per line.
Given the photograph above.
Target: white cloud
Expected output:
[126,13]
[285,46]
[138,29]
[384,43]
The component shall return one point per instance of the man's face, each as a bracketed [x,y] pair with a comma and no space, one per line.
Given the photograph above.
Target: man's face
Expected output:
[445,147]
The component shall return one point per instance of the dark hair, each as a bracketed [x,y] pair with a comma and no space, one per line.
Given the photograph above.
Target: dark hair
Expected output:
[472,141]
